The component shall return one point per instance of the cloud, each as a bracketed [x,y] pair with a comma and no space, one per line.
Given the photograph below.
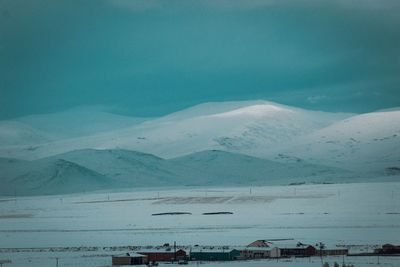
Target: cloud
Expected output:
[316,99]
[140,5]
[137,5]
[368,4]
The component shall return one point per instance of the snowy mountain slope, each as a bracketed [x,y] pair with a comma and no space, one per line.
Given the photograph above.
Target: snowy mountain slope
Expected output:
[245,129]
[42,177]
[10,168]
[88,170]
[363,143]
[30,136]
[220,167]
[80,121]
[242,127]
[128,168]
[13,133]
[367,142]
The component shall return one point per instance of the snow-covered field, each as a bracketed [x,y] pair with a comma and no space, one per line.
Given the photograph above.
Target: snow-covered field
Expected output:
[363,215]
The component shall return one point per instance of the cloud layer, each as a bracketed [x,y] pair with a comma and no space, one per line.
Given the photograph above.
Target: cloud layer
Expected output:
[152,57]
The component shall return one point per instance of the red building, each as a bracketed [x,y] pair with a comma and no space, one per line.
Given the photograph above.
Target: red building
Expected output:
[129,259]
[300,250]
[164,254]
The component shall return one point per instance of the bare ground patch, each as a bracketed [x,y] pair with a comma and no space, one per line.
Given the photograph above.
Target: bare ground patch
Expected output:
[16,216]
[117,200]
[193,200]
[231,199]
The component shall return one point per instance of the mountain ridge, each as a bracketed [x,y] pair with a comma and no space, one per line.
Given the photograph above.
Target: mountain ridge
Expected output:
[183,147]
[89,169]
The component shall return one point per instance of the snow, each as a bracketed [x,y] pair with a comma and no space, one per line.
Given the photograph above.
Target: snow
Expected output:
[230,126]
[254,110]
[363,215]
[89,169]
[79,121]
[280,142]
[13,133]
[366,142]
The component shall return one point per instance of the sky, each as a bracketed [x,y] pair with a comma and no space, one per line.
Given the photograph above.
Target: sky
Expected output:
[153,57]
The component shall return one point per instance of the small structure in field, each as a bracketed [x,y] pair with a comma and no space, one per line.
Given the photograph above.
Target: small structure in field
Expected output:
[129,259]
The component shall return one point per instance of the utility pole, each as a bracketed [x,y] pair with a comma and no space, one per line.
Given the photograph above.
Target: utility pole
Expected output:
[15,196]
[174,250]
[321,247]
[56,262]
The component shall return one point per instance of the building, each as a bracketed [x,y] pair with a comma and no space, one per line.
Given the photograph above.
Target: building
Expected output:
[258,249]
[333,252]
[129,259]
[388,249]
[214,254]
[259,243]
[275,252]
[298,250]
[157,254]
[255,252]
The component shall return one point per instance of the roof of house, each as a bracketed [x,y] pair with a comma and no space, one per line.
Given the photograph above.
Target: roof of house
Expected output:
[212,249]
[160,250]
[290,244]
[130,254]
[260,243]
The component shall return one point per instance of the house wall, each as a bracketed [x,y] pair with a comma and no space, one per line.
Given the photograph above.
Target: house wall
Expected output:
[275,253]
[128,260]
[121,260]
[254,254]
[308,251]
[332,252]
[164,256]
[214,256]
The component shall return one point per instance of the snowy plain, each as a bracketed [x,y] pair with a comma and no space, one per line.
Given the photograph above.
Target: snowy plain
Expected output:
[84,229]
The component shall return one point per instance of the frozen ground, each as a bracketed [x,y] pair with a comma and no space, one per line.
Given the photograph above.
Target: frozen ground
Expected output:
[83,229]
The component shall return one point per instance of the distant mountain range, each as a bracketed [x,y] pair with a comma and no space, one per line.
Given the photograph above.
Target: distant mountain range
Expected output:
[228,143]
[87,170]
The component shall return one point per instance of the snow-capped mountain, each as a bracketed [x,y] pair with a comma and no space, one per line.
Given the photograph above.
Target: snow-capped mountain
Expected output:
[267,142]
[233,126]
[78,122]
[243,127]
[365,143]
[15,133]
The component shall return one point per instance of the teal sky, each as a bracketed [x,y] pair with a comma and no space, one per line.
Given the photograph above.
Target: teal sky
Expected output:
[152,57]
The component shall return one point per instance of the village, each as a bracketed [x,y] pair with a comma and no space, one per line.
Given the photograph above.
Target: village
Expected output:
[259,249]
